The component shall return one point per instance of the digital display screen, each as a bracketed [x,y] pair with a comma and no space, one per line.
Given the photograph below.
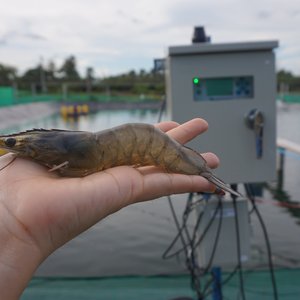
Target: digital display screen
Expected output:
[219,86]
[223,88]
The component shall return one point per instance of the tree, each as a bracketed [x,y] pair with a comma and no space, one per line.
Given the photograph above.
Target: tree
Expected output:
[8,75]
[132,74]
[68,69]
[285,76]
[36,77]
[90,74]
[287,81]
[51,71]
[32,75]
[143,73]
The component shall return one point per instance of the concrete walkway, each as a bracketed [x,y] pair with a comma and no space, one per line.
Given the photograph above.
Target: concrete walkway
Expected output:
[18,114]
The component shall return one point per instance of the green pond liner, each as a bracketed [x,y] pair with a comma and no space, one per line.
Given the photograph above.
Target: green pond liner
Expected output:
[257,285]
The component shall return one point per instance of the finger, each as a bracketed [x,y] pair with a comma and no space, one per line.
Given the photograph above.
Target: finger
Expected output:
[211,159]
[166,126]
[162,184]
[189,130]
[6,160]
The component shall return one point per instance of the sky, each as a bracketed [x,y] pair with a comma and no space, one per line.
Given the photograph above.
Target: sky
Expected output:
[115,36]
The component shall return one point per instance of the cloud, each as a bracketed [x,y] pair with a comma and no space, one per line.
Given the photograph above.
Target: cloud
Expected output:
[18,31]
[129,17]
[33,36]
[115,37]
[264,14]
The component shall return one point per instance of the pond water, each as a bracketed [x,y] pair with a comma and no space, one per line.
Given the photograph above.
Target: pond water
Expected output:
[132,241]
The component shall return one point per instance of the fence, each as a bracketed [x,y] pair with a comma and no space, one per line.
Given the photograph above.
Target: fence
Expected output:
[9,97]
[289,98]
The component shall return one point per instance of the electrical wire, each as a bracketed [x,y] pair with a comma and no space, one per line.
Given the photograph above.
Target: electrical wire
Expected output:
[190,205]
[250,194]
[214,249]
[180,230]
[201,237]
[208,267]
[207,226]
[195,282]
[238,247]
[225,281]
[190,243]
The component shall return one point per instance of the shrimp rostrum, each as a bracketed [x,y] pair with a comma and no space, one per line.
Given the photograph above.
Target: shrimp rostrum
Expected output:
[80,153]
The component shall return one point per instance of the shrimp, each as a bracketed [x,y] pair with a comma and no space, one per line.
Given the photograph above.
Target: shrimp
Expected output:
[80,153]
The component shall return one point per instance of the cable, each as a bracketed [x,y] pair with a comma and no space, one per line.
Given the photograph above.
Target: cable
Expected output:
[190,243]
[214,248]
[198,242]
[238,247]
[177,226]
[250,194]
[207,226]
[220,205]
[189,207]
[180,230]
[190,259]
[185,217]
[225,281]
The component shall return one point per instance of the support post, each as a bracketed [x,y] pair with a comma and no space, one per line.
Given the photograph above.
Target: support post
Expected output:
[280,172]
[217,284]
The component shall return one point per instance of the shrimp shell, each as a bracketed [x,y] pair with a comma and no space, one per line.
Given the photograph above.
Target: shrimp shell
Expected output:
[79,153]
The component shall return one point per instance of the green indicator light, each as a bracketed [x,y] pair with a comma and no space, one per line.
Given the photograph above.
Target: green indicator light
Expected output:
[196,80]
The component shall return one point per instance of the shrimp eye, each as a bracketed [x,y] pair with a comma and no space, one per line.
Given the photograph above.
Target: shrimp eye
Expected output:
[10,142]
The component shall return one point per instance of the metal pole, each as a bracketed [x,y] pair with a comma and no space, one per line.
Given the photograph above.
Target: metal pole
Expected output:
[216,285]
[280,172]
[65,91]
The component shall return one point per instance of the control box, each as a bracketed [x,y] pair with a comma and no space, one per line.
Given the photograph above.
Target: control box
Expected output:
[233,87]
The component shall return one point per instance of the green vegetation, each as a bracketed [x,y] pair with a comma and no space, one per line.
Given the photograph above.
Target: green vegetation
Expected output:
[289,81]
[45,83]
[288,86]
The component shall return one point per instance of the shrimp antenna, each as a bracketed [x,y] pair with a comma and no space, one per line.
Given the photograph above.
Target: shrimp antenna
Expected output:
[12,160]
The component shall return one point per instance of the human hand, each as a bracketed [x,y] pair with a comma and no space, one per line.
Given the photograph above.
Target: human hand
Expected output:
[41,211]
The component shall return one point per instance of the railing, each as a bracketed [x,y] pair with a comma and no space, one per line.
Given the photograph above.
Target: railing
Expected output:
[289,98]
[284,145]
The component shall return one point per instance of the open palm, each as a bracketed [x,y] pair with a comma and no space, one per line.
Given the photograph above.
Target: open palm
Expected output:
[41,211]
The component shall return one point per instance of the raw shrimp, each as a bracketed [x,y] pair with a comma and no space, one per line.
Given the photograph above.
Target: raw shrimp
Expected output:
[79,153]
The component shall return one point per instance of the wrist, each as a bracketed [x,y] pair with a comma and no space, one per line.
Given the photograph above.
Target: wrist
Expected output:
[18,261]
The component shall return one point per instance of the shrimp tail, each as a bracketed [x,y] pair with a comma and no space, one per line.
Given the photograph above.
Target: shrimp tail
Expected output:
[220,184]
